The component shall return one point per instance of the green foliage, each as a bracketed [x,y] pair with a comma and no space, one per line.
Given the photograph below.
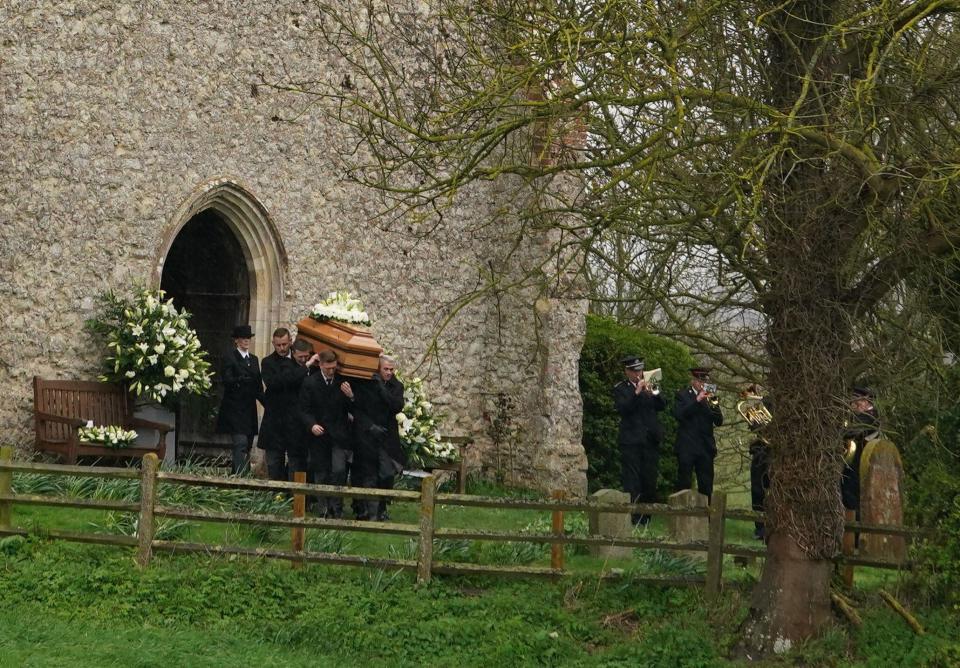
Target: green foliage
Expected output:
[605,344]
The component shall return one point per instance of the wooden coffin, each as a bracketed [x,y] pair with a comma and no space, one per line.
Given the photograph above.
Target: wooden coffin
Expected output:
[355,346]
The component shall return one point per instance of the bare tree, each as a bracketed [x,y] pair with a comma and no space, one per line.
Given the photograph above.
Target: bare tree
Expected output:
[741,172]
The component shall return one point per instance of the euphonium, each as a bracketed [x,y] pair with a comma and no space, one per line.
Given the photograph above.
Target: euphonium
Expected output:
[754,412]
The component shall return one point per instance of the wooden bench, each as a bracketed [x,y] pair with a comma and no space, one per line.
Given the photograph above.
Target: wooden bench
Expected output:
[61,406]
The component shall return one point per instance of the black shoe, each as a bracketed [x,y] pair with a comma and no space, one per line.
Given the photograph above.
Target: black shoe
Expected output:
[362,518]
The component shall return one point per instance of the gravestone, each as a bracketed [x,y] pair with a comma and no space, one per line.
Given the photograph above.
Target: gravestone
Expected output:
[610,524]
[685,528]
[881,500]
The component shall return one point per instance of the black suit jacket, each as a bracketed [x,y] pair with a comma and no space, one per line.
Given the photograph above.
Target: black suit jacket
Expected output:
[695,423]
[327,406]
[241,391]
[281,427]
[639,424]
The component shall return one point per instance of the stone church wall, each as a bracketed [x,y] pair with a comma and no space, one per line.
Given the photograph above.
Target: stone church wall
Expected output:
[114,115]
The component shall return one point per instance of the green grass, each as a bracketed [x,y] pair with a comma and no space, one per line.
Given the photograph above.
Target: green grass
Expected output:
[67,604]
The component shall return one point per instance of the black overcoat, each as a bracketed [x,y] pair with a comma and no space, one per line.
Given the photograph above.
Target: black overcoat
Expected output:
[241,391]
[695,423]
[326,405]
[639,424]
[377,405]
[281,427]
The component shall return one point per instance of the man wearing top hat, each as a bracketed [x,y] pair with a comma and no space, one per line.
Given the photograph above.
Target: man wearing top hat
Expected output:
[697,412]
[242,389]
[640,434]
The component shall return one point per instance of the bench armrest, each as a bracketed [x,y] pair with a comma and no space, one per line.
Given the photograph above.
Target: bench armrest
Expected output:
[50,417]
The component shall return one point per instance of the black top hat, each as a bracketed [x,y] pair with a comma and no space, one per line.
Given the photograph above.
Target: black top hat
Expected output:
[632,362]
[242,332]
[701,372]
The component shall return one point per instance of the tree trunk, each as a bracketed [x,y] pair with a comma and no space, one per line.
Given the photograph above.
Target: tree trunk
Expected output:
[791,602]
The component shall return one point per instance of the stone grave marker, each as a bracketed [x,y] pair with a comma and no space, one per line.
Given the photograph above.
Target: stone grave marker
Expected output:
[610,524]
[687,529]
[881,499]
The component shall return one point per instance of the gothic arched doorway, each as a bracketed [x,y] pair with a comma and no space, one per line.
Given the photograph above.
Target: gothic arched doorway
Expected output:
[206,273]
[223,262]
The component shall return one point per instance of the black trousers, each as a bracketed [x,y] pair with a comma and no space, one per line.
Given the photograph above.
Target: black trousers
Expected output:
[240,446]
[276,464]
[639,465]
[363,473]
[700,463]
[759,476]
[297,461]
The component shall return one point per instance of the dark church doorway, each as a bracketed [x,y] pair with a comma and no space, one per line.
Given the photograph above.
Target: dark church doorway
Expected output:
[205,272]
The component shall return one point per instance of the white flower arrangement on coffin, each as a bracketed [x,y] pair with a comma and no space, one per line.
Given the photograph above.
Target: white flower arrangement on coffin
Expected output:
[112,436]
[419,428]
[151,347]
[340,306]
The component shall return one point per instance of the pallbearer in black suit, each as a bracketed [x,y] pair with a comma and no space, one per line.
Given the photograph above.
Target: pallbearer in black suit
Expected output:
[300,437]
[242,389]
[324,405]
[638,403]
[697,410]
[378,433]
[281,428]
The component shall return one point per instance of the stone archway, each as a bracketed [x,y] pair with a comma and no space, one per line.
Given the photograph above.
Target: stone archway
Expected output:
[224,261]
[262,247]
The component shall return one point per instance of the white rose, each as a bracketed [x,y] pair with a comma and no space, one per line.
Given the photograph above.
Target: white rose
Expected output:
[152,359]
[160,347]
[130,374]
[169,371]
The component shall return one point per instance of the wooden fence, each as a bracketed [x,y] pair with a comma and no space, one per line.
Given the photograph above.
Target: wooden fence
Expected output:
[425,531]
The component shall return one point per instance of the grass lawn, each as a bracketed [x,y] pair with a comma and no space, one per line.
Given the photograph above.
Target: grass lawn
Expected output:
[81,605]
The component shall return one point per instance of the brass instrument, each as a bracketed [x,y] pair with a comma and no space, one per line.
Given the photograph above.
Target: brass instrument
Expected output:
[851,451]
[754,412]
[652,379]
[712,398]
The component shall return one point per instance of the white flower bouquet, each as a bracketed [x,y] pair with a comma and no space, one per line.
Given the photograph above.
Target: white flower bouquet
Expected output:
[340,306]
[111,436]
[420,428]
[151,347]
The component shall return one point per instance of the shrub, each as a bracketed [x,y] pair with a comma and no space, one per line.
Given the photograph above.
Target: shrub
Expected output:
[606,343]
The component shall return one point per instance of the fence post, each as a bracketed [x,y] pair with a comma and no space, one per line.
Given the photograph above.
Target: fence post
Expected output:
[717,510]
[6,487]
[299,511]
[148,499]
[848,546]
[428,490]
[556,549]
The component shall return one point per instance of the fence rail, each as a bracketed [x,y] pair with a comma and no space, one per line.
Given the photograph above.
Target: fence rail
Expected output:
[425,531]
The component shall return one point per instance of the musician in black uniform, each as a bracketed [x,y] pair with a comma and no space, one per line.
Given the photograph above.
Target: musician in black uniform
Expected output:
[697,412]
[324,406]
[640,434]
[862,427]
[242,389]
[758,419]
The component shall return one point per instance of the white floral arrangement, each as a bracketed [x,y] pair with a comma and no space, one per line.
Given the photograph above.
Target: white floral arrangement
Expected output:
[151,347]
[111,436]
[340,306]
[420,428]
